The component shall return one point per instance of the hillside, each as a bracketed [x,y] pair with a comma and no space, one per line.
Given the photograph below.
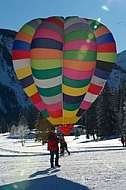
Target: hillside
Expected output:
[12,98]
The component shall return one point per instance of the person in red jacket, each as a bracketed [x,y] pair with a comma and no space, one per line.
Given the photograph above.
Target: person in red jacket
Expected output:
[53,147]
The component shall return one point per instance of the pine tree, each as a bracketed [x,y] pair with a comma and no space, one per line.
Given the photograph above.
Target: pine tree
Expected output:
[31,116]
[42,129]
[123,108]
[3,125]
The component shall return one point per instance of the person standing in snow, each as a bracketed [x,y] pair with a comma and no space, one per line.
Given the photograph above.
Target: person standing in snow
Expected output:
[63,146]
[53,147]
[123,140]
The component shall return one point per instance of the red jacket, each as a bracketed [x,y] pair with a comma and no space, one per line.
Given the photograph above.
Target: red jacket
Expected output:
[122,139]
[52,142]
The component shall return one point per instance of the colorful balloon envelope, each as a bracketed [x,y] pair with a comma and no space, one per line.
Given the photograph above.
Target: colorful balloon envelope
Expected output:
[63,64]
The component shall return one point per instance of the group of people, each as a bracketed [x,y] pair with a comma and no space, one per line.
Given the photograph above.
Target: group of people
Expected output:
[53,147]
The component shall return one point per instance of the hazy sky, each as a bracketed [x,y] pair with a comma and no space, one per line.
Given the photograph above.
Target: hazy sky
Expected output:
[15,13]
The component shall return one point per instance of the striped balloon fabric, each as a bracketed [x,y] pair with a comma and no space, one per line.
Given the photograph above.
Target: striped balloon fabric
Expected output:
[63,64]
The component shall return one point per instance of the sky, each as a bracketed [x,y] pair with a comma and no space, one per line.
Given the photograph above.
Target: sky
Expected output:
[91,165]
[15,13]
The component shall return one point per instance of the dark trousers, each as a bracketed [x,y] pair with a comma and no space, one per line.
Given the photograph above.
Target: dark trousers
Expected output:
[62,149]
[56,153]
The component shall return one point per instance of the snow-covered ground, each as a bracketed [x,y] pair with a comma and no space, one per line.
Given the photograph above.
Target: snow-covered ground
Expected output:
[99,165]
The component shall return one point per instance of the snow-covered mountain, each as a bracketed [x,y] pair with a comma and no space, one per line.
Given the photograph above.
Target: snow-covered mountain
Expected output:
[118,74]
[12,97]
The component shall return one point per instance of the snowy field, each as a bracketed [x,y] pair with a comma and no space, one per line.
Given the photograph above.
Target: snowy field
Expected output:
[99,165]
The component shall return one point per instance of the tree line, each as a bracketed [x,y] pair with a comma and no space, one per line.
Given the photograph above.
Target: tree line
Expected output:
[105,117]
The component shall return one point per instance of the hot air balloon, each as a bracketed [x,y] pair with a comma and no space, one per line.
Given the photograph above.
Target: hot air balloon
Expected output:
[63,64]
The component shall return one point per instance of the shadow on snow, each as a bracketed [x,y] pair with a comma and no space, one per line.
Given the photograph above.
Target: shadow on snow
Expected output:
[50,182]
[86,149]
